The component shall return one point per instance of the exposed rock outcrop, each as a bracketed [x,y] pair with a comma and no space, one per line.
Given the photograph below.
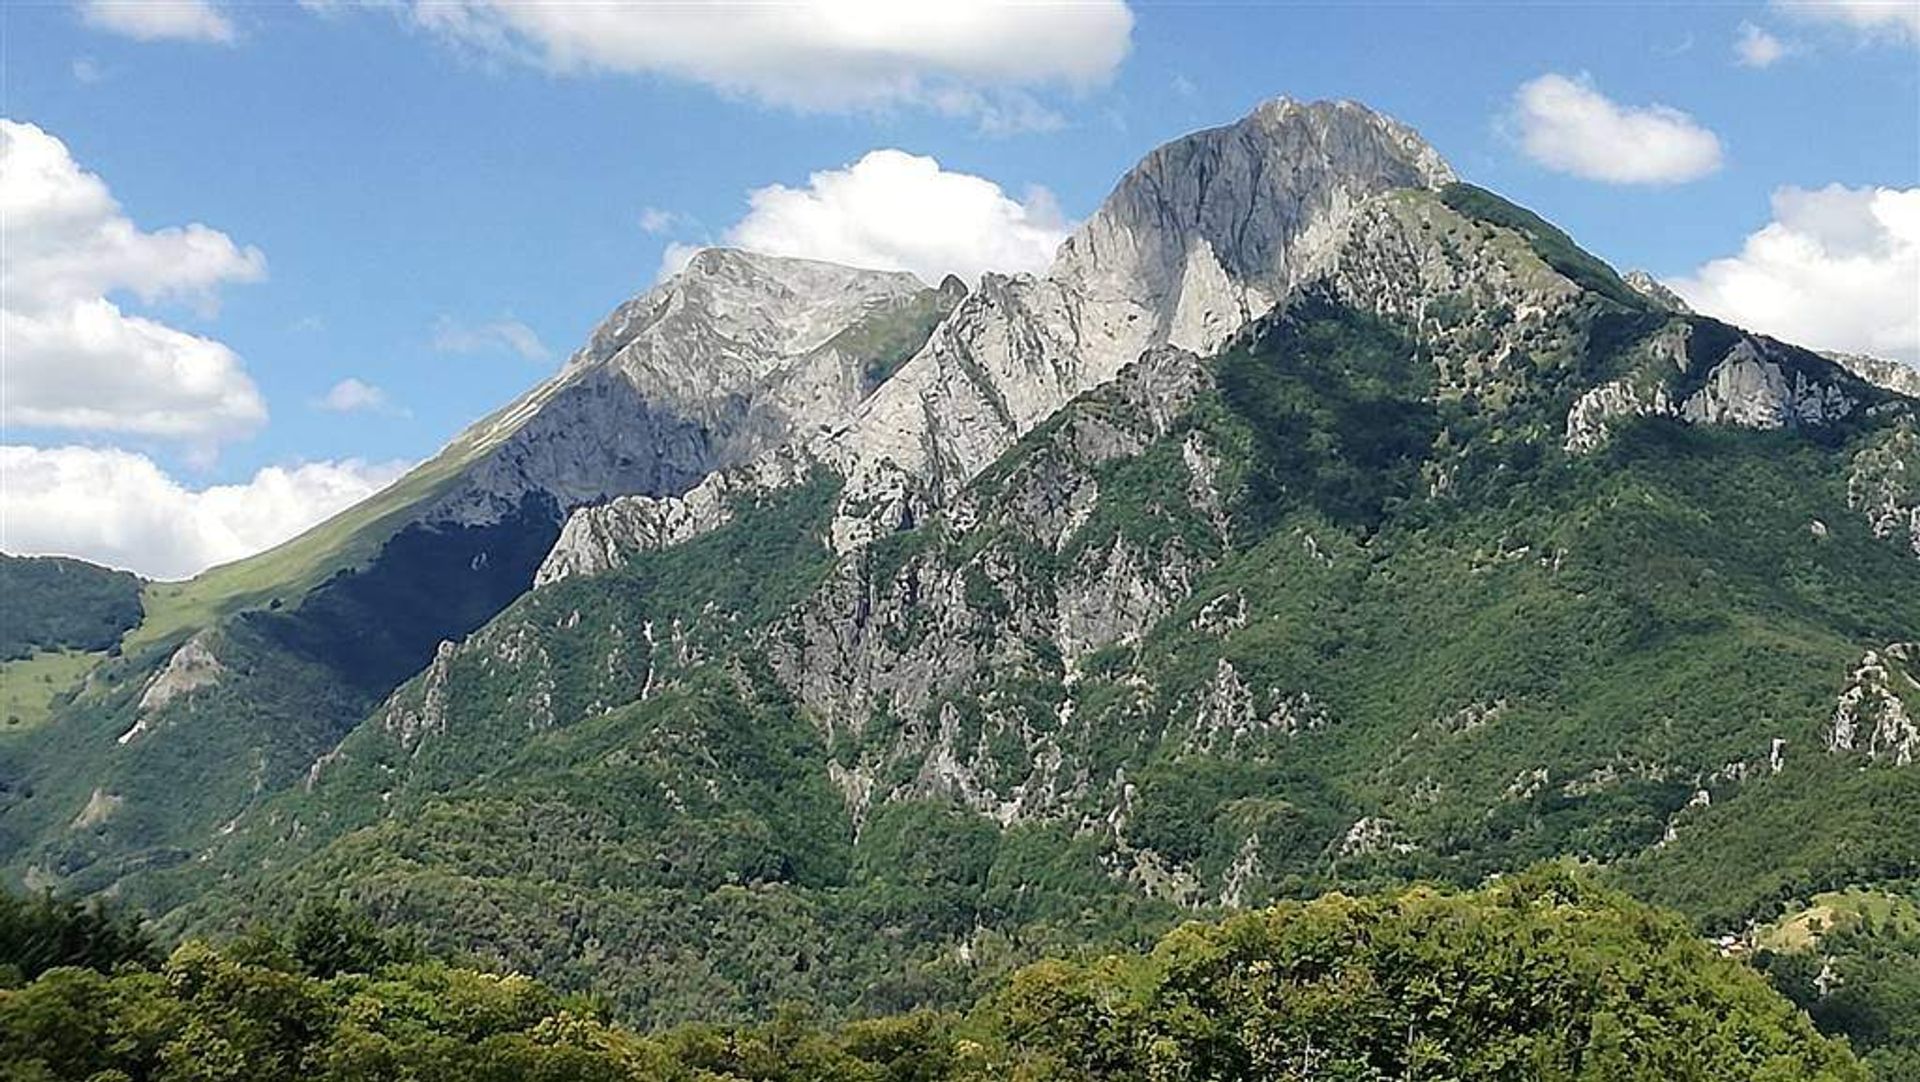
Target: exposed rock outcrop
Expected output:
[1651,288]
[736,356]
[904,635]
[601,538]
[99,808]
[1875,714]
[411,723]
[1884,484]
[192,667]
[1888,375]
[1751,387]
[1205,235]
[1755,383]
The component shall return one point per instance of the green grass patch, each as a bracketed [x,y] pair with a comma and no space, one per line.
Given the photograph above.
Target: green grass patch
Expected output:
[30,686]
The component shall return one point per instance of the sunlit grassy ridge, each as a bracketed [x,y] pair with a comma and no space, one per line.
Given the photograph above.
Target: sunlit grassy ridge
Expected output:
[343,542]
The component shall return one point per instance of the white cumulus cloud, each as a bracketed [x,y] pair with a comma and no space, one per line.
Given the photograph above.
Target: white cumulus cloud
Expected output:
[159,20]
[118,508]
[974,57]
[1569,126]
[74,358]
[1756,48]
[897,211]
[1837,268]
[1898,20]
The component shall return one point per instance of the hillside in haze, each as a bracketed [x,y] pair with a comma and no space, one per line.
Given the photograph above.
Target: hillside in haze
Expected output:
[1317,522]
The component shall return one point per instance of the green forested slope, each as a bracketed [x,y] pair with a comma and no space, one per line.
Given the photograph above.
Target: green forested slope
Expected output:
[616,785]
[54,603]
[1540,978]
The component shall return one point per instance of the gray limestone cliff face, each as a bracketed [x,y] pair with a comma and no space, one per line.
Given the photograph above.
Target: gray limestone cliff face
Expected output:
[1205,235]
[1752,386]
[1013,580]
[191,667]
[1755,382]
[1883,484]
[603,537]
[591,437]
[734,357]
[732,321]
[1889,375]
[1211,230]
[1875,712]
[1654,290]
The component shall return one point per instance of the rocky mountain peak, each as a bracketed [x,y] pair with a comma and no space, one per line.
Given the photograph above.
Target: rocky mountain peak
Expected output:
[1213,228]
[731,317]
[1205,235]
[1654,290]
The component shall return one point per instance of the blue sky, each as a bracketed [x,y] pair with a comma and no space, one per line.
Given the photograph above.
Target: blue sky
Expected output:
[413,189]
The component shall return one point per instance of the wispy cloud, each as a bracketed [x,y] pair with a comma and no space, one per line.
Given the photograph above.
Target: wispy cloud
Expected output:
[1890,20]
[500,335]
[354,395]
[979,59]
[160,20]
[1756,48]
[656,221]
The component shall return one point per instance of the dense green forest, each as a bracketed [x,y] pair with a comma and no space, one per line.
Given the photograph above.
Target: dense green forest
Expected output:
[53,603]
[1541,977]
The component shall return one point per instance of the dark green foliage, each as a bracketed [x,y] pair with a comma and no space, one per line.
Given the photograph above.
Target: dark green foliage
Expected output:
[374,626]
[1456,650]
[1538,978]
[278,712]
[54,603]
[1337,404]
[1859,978]
[328,939]
[38,933]
[927,866]
[1626,624]
[1547,240]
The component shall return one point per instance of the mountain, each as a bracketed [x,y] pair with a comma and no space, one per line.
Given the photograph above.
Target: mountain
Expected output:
[735,355]
[1318,521]
[1200,238]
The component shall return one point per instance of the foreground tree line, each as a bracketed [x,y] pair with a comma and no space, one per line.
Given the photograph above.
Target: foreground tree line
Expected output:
[1538,977]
